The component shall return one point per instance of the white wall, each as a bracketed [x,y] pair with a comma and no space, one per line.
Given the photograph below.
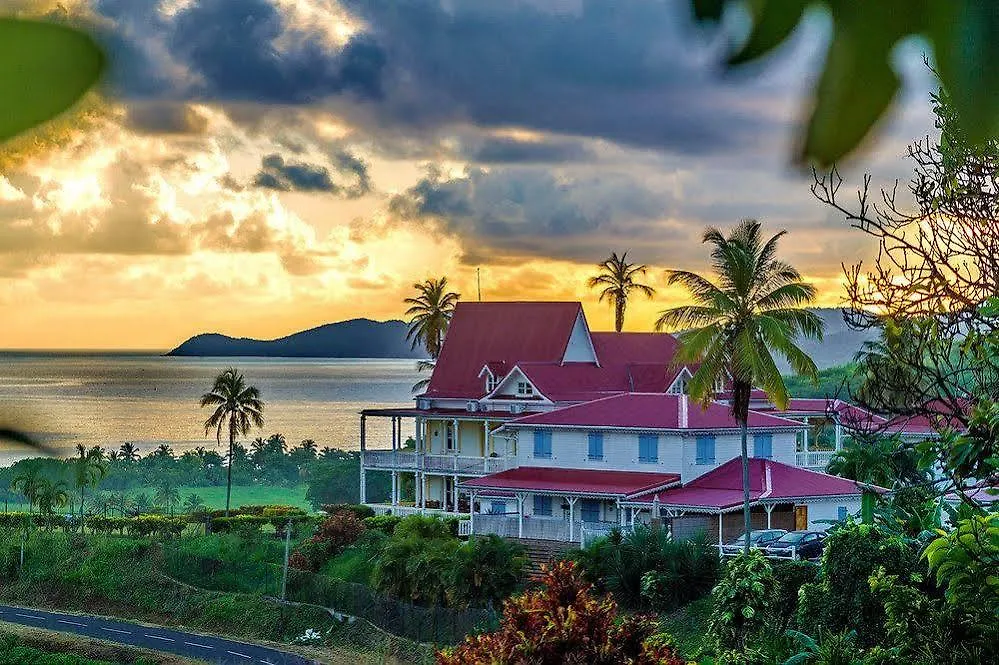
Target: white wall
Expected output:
[580,346]
[829,510]
[677,453]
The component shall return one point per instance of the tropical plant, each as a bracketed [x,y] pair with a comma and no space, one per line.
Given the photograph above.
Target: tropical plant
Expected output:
[867,461]
[741,600]
[129,452]
[88,469]
[429,315]
[828,649]
[27,484]
[142,503]
[564,622]
[755,309]
[51,495]
[966,561]
[193,503]
[485,569]
[332,536]
[237,408]
[167,494]
[617,280]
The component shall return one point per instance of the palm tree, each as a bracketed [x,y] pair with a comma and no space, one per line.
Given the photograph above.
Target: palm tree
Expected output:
[167,494]
[88,469]
[238,407]
[129,452]
[163,451]
[309,448]
[141,503]
[50,496]
[27,484]
[430,314]
[755,308]
[193,503]
[618,279]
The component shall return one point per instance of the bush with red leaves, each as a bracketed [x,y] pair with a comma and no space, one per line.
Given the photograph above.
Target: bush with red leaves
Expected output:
[564,623]
[332,536]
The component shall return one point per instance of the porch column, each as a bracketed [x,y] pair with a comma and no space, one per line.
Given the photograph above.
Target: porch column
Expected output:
[720,541]
[363,487]
[418,484]
[769,508]
[656,512]
[485,438]
[471,513]
[572,509]
[634,511]
[393,432]
[420,422]
[395,488]
[620,513]
[457,443]
[520,515]
[839,435]
[804,436]
[454,486]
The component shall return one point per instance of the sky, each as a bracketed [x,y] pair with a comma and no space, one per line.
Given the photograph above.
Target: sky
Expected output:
[257,167]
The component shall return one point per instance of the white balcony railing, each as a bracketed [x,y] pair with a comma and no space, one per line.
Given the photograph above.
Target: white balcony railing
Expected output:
[457,464]
[814,459]
[403,511]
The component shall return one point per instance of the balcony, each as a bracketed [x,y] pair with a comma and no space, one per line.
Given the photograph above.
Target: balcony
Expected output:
[460,465]
[814,459]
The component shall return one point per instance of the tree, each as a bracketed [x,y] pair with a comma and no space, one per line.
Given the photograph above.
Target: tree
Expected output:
[732,329]
[878,460]
[167,493]
[193,503]
[88,469]
[238,408]
[617,280]
[858,82]
[564,622]
[27,483]
[429,315]
[51,495]
[129,452]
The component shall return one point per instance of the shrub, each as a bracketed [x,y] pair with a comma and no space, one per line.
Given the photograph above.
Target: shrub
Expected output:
[359,510]
[687,570]
[384,523]
[741,600]
[485,569]
[427,527]
[789,578]
[564,622]
[331,537]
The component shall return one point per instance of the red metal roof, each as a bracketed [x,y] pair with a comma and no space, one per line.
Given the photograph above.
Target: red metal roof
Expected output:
[573,481]
[650,411]
[721,488]
[499,332]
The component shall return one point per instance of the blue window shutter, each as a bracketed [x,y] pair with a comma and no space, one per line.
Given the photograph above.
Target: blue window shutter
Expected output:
[705,449]
[542,444]
[842,513]
[590,511]
[595,450]
[763,446]
[648,448]
[497,507]
[542,505]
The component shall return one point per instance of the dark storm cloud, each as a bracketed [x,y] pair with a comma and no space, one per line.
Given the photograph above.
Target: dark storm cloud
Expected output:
[289,175]
[165,118]
[506,150]
[532,211]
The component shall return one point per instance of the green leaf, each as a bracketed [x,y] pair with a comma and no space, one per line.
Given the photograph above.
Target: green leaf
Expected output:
[773,22]
[45,68]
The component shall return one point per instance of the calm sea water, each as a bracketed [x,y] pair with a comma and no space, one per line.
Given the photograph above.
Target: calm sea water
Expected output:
[106,399]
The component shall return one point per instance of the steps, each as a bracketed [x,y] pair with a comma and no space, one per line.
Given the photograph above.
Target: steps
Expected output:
[542,552]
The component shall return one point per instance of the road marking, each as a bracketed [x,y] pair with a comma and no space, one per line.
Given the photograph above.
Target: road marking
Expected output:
[157,637]
[29,616]
[201,646]
[115,630]
[241,655]
[72,623]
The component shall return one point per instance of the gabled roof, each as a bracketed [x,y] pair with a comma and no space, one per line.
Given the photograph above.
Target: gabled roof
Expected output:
[655,411]
[499,332]
[619,484]
[769,482]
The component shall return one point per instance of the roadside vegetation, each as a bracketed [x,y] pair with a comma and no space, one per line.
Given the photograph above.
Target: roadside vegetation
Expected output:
[20,645]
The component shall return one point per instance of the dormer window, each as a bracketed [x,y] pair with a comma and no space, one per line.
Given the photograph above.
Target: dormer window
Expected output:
[491,383]
[525,389]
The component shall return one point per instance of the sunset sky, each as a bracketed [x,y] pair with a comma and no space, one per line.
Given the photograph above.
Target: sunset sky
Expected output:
[264,166]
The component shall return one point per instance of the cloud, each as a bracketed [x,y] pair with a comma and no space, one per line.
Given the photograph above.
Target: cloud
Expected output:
[280,174]
[165,118]
[509,150]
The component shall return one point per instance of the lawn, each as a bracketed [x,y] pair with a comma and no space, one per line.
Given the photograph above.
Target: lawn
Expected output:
[688,626]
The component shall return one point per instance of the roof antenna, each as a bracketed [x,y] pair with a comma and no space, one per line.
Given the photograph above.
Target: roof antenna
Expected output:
[478,282]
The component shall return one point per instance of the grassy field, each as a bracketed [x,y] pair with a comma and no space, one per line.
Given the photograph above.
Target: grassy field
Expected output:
[21,644]
[214,496]
[688,626]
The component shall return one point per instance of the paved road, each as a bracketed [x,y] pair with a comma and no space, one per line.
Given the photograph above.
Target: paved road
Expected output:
[211,649]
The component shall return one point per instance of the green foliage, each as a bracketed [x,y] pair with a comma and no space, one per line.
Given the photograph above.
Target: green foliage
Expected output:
[486,569]
[966,561]
[789,578]
[858,80]
[617,279]
[831,382]
[332,536]
[360,511]
[13,651]
[742,600]
[842,599]
[426,527]
[829,649]
[384,523]
[44,69]
[332,479]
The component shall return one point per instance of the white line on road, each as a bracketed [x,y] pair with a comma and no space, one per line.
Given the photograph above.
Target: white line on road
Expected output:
[71,623]
[200,646]
[29,616]
[157,637]
[115,630]
[241,655]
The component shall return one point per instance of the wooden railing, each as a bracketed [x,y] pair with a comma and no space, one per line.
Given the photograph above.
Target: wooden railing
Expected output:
[456,464]
[814,459]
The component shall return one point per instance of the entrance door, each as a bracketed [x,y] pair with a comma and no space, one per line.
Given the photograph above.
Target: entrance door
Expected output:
[800,518]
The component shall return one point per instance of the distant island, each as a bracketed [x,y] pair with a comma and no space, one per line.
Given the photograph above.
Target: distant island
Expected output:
[357,338]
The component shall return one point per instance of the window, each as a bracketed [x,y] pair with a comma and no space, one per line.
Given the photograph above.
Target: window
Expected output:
[705,449]
[449,436]
[763,446]
[542,444]
[497,507]
[524,388]
[590,510]
[543,505]
[842,513]
[648,448]
[491,382]
[595,449]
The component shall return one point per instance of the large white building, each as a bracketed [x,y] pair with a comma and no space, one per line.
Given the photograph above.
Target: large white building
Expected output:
[535,427]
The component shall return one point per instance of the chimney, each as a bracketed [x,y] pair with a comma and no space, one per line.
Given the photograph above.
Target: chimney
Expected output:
[682,403]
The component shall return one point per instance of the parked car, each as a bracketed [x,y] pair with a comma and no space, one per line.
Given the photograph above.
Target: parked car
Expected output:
[757,538]
[798,545]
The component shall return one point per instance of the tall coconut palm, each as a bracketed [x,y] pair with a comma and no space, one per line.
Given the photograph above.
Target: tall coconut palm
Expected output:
[167,494]
[88,469]
[755,308]
[238,408]
[129,452]
[27,484]
[430,315]
[617,280]
[51,495]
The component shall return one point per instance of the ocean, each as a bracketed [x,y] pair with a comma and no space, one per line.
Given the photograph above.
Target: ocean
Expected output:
[108,398]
